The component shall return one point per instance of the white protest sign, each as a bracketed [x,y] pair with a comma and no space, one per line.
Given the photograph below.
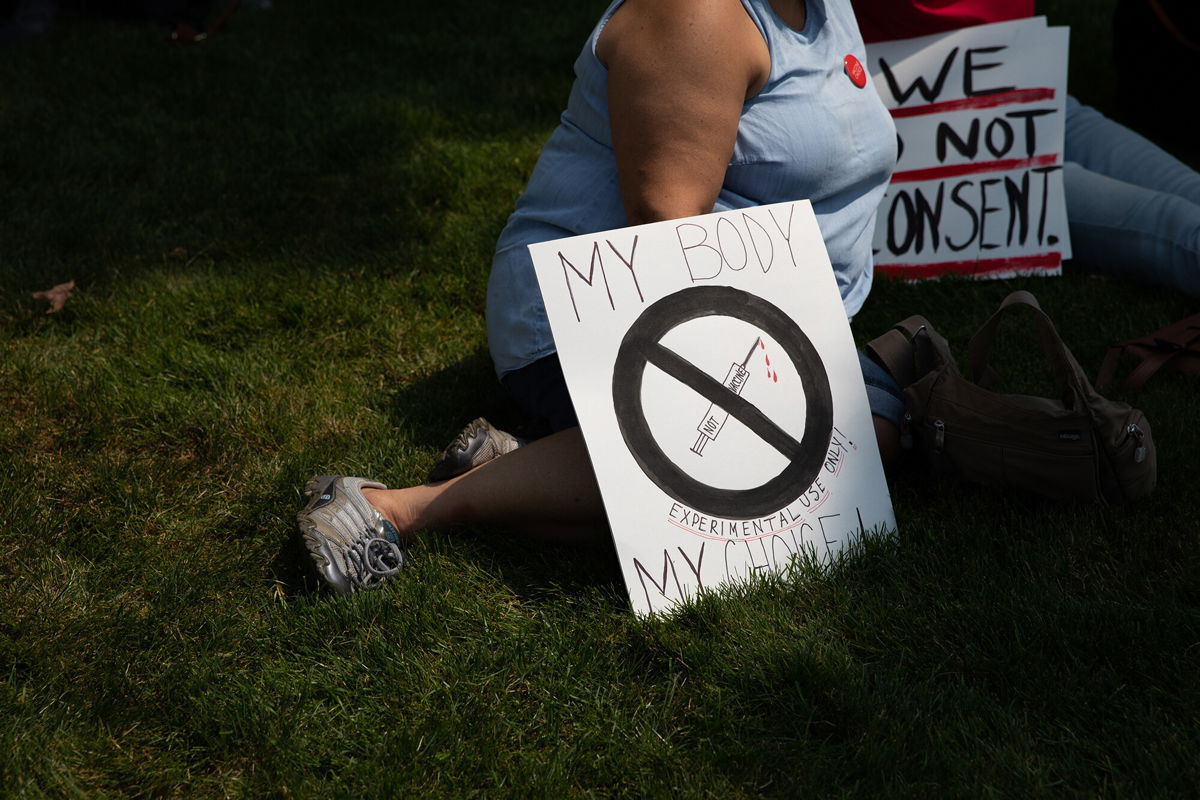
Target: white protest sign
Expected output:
[980,117]
[719,392]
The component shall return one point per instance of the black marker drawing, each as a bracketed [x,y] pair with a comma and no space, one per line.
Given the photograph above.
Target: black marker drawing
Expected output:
[716,416]
[642,346]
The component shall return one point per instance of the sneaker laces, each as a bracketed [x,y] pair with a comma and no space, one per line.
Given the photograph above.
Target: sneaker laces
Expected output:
[374,557]
[372,565]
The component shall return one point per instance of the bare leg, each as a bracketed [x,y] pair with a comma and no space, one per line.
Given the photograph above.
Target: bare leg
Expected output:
[546,489]
[887,435]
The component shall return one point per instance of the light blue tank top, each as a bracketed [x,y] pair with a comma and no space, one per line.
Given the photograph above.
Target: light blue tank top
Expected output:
[810,133]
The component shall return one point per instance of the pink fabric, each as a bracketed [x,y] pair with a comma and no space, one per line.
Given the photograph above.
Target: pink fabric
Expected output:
[881,20]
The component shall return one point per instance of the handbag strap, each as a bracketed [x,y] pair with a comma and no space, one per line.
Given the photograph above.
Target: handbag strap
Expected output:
[903,355]
[1170,27]
[1164,347]
[1109,365]
[183,33]
[1066,370]
[893,352]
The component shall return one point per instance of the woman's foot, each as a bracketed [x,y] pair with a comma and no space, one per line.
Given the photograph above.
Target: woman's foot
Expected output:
[351,544]
[476,444]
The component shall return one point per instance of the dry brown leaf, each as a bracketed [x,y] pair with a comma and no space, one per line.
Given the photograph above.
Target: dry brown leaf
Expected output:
[56,296]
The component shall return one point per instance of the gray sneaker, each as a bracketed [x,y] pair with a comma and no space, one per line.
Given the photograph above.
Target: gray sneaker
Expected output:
[351,545]
[476,444]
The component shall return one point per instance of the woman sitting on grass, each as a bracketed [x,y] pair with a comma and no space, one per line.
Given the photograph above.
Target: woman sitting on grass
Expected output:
[679,107]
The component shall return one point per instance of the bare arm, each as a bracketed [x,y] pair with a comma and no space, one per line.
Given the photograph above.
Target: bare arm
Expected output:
[679,73]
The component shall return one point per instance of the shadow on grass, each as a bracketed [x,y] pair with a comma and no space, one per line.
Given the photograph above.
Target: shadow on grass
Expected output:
[328,136]
[433,409]
[539,574]
[292,571]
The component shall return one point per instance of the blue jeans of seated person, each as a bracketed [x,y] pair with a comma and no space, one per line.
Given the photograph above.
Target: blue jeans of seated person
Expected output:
[1133,209]
[884,395]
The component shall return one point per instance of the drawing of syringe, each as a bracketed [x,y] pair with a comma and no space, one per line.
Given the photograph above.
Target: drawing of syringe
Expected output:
[714,419]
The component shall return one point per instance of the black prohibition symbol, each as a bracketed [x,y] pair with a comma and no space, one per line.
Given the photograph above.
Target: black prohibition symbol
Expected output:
[642,346]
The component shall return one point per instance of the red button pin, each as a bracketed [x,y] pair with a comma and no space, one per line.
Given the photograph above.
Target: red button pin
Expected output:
[855,71]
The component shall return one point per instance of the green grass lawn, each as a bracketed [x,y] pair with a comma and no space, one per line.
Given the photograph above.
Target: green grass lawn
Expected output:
[281,241]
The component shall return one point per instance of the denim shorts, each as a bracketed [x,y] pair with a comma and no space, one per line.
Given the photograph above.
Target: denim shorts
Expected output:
[541,392]
[883,394]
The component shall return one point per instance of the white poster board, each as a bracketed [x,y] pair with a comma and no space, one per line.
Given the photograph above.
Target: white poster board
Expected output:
[980,116]
[720,395]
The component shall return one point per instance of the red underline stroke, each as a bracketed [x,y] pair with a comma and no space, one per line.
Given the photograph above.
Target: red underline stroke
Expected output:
[974,168]
[1014,97]
[1040,262]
